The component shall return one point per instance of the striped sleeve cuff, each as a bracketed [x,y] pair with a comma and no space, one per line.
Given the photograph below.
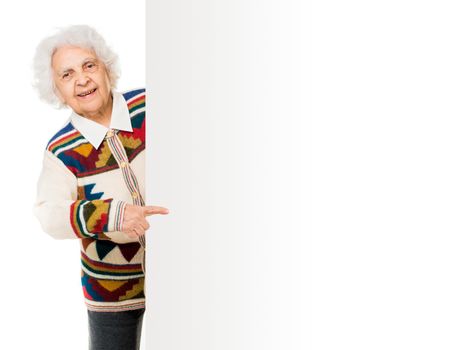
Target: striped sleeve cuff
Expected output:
[116,215]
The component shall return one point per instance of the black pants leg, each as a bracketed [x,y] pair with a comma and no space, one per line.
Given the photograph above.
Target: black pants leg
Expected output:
[115,330]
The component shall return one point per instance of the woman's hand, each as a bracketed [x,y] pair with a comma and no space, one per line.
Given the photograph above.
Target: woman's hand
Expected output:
[134,219]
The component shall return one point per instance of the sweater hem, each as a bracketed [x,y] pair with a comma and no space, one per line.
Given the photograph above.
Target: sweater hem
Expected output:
[115,306]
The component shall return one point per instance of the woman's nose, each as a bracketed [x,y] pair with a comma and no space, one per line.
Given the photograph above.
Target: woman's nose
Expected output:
[82,79]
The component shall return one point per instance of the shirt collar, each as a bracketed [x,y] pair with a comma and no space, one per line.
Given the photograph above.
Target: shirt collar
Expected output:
[95,132]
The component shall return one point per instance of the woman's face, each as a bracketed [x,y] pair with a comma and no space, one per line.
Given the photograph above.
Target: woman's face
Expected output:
[81,80]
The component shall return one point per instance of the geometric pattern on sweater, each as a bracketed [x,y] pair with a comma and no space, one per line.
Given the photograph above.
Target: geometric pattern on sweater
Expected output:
[104,248]
[127,250]
[112,274]
[89,217]
[101,249]
[112,290]
[114,271]
[86,192]
[83,159]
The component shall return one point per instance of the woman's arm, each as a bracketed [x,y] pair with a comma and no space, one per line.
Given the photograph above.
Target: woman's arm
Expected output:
[62,215]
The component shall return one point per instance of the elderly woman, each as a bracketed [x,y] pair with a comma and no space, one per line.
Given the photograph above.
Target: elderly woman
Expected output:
[91,187]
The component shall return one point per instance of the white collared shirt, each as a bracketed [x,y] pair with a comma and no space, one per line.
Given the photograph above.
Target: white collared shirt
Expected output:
[95,132]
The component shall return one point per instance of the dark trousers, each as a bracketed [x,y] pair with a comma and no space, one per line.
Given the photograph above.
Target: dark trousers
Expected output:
[115,330]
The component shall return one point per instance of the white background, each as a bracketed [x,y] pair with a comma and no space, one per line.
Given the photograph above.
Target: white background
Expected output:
[41,294]
[382,189]
[383,175]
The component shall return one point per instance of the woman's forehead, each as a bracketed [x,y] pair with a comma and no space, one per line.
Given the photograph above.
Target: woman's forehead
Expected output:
[68,56]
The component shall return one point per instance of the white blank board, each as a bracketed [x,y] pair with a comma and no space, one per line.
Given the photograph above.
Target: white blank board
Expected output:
[228,153]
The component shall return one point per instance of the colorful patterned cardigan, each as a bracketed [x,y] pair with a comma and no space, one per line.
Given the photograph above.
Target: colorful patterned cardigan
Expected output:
[82,193]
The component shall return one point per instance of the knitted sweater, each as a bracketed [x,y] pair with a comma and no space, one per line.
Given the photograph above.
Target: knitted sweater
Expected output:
[82,194]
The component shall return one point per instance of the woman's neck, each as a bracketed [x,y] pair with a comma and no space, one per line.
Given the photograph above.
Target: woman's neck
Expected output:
[103,115]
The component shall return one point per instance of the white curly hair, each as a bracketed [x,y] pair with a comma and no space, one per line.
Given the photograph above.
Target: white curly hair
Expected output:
[77,35]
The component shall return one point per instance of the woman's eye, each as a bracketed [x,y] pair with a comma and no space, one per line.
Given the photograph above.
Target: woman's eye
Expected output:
[90,66]
[66,76]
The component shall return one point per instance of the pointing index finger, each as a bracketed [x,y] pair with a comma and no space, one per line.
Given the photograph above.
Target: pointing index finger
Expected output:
[152,210]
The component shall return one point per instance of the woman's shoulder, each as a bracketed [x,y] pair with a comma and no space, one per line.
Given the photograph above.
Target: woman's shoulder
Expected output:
[63,138]
[133,94]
